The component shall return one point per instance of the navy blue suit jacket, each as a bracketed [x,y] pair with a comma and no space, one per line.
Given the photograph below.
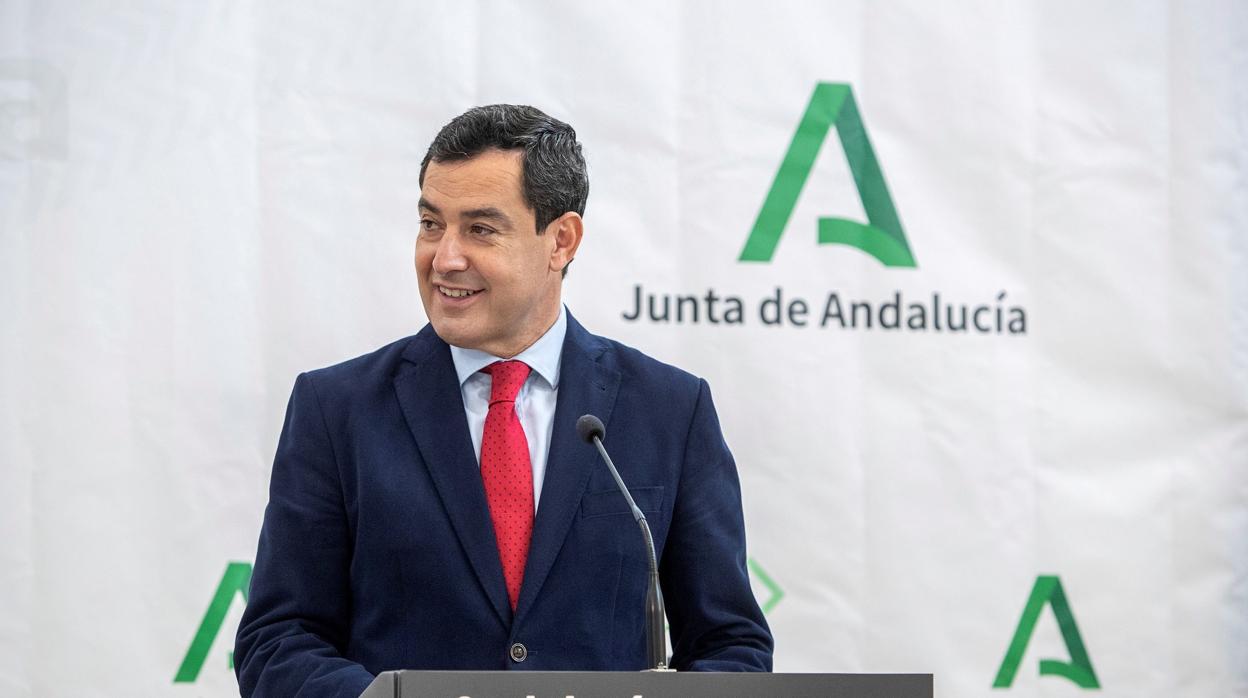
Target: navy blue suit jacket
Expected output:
[377,550]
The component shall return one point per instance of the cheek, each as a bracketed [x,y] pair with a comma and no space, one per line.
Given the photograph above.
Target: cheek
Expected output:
[424,258]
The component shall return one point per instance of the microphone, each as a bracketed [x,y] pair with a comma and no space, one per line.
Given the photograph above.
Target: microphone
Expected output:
[592,431]
[589,427]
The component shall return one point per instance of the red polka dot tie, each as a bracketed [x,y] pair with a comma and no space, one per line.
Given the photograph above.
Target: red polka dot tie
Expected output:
[507,472]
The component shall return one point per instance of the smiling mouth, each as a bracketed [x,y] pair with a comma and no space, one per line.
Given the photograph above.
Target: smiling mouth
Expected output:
[456,292]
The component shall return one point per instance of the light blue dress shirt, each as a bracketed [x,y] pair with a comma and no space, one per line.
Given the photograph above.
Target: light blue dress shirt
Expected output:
[535,404]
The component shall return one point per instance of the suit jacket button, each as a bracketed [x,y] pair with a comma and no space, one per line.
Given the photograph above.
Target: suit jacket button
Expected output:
[518,653]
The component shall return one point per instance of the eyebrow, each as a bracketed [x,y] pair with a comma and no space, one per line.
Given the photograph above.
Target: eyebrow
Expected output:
[488,213]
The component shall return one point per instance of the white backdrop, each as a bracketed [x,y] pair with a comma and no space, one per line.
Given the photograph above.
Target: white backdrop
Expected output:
[200,200]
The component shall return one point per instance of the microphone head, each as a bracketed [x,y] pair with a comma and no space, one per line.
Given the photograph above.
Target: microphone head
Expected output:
[589,426]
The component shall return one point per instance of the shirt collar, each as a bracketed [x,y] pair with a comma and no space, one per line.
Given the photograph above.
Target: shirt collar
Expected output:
[543,356]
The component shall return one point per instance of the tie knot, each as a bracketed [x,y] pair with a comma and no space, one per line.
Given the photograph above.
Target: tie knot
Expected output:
[506,377]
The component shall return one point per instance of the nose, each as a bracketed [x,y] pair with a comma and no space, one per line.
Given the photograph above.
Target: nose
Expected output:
[448,256]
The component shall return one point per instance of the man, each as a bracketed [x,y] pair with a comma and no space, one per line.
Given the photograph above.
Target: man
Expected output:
[431,505]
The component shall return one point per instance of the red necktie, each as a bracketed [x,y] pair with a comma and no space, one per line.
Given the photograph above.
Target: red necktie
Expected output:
[507,472]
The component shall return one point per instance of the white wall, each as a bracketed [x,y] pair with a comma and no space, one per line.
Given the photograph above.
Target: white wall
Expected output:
[200,200]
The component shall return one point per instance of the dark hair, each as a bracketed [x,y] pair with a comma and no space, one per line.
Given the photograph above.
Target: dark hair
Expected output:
[555,179]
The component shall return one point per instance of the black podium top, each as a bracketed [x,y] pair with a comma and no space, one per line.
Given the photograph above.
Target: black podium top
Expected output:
[616,684]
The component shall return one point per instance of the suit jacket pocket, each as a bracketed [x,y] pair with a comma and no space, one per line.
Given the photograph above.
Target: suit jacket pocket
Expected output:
[649,500]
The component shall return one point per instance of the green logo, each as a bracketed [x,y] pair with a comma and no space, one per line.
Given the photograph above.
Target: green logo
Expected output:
[774,592]
[236,580]
[832,104]
[1048,590]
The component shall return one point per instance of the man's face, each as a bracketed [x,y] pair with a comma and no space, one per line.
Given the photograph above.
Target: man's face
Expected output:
[488,281]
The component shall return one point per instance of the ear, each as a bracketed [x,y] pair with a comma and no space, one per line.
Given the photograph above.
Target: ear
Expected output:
[565,231]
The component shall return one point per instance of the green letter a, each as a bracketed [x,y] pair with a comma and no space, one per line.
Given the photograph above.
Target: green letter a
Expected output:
[236,580]
[1048,589]
[882,238]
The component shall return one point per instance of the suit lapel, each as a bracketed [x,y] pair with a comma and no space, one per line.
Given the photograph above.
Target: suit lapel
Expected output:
[429,395]
[586,386]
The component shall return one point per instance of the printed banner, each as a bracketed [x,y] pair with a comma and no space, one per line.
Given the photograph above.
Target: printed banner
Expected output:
[969,283]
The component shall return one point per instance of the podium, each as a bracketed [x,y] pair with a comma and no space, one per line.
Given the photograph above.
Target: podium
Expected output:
[622,684]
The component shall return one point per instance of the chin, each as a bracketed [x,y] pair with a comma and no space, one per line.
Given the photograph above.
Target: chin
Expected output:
[453,332]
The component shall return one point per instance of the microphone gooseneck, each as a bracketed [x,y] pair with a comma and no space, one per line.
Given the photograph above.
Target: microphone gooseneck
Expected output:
[591,430]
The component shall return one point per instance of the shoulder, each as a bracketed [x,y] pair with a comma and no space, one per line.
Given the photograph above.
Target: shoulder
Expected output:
[373,371]
[635,363]
[637,370]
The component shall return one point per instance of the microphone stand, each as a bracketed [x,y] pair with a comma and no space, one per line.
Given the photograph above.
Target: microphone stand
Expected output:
[656,637]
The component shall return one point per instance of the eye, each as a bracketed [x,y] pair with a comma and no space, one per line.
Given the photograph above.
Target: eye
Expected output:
[428,225]
[478,229]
